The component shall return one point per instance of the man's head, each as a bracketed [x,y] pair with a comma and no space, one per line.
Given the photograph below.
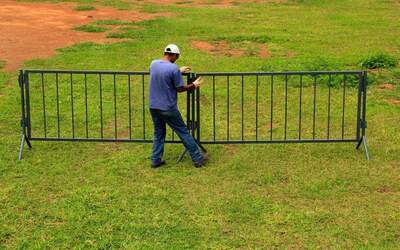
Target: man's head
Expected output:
[171,52]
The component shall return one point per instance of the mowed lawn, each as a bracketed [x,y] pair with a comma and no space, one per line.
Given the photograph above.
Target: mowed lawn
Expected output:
[105,195]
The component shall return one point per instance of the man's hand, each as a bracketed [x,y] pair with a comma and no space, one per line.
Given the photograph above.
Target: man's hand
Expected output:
[185,69]
[198,82]
[195,84]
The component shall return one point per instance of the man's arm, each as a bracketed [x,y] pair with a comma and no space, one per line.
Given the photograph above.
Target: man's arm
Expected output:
[194,85]
[185,88]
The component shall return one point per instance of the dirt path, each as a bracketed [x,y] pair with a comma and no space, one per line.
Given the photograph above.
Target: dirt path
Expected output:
[36,30]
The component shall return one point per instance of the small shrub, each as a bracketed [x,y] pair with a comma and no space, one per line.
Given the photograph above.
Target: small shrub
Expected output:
[84,8]
[380,60]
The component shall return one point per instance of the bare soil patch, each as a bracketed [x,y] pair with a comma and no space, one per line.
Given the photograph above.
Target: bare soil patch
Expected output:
[291,54]
[386,86]
[224,48]
[393,101]
[36,30]
[264,52]
[385,189]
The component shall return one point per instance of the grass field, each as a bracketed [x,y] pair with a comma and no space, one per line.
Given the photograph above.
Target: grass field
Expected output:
[98,195]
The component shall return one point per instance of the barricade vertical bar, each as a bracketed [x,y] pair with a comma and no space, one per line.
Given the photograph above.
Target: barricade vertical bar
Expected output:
[315,98]
[227,113]
[129,107]
[72,108]
[300,103]
[198,122]
[58,107]
[115,110]
[188,113]
[257,108]
[21,87]
[44,107]
[144,110]
[364,116]
[213,107]
[272,106]
[359,100]
[198,115]
[86,108]
[242,108]
[363,122]
[28,104]
[343,103]
[23,130]
[24,138]
[329,105]
[101,107]
[286,103]
[193,118]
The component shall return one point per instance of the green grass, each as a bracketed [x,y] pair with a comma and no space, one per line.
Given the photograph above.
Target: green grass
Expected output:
[91,28]
[112,22]
[84,8]
[104,195]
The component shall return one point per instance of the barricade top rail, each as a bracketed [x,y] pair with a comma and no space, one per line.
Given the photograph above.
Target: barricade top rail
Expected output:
[85,72]
[199,73]
[279,73]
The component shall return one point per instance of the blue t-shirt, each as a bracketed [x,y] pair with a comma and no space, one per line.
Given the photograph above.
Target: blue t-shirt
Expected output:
[165,78]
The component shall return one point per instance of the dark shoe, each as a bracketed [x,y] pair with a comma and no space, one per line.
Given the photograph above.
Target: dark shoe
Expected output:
[202,162]
[158,164]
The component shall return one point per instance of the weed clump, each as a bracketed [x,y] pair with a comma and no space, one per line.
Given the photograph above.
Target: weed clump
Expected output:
[380,60]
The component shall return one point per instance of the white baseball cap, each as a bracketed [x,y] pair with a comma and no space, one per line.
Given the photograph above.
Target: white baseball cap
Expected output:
[172,48]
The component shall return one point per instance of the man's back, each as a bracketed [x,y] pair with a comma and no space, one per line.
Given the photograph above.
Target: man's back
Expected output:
[165,78]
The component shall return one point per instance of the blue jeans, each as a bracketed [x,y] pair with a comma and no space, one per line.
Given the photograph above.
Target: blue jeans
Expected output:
[174,119]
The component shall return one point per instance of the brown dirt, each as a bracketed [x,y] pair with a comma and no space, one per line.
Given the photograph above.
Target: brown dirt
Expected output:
[386,86]
[264,53]
[203,46]
[291,54]
[393,101]
[36,30]
[230,149]
[385,189]
[224,48]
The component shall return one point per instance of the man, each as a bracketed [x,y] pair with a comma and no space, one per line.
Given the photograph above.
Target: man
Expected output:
[165,81]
